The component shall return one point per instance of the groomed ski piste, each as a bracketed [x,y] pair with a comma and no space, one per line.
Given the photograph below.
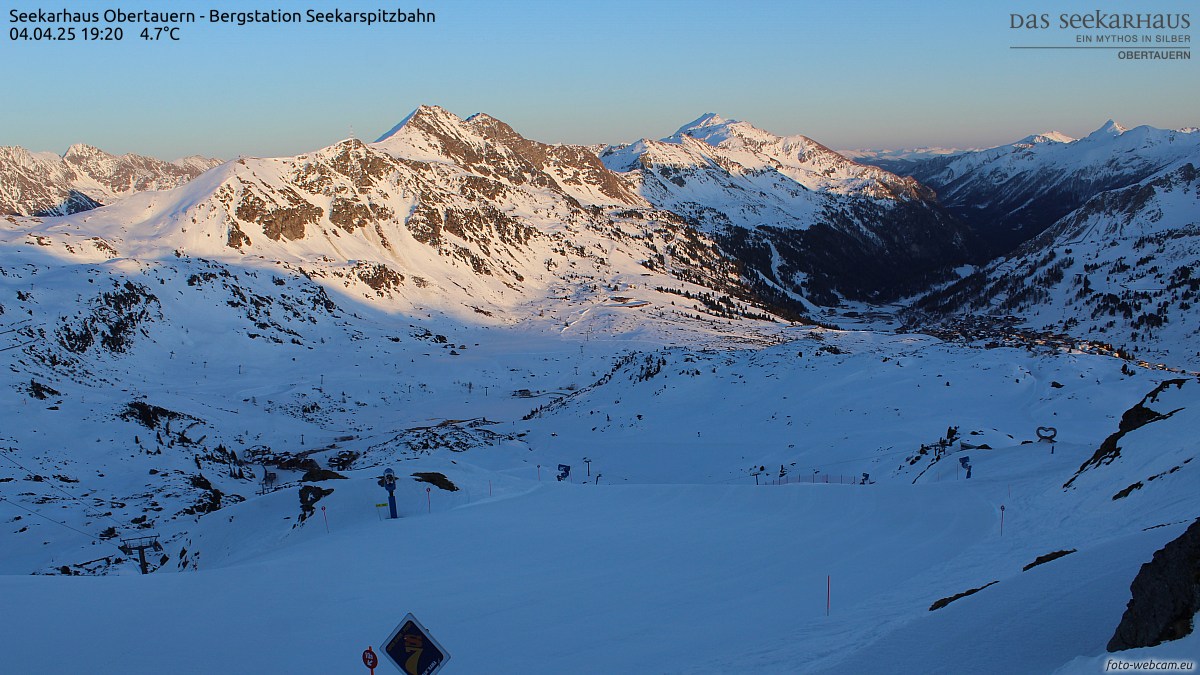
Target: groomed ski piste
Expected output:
[660,555]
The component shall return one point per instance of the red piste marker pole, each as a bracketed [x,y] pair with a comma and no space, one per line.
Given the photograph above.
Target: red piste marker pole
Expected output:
[428,500]
[1001,520]
[370,660]
[326,516]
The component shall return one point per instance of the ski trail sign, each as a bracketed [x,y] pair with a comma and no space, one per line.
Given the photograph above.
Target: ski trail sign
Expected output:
[412,649]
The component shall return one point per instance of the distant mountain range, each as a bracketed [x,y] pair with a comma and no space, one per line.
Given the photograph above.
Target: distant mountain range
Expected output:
[484,217]
[467,215]
[83,178]
[900,157]
[1011,193]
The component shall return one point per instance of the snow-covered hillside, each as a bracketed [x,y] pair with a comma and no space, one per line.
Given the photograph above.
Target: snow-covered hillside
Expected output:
[83,178]
[720,485]
[1120,270]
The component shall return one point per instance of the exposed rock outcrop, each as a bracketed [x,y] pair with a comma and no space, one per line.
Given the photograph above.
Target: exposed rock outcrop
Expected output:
[85,177]
[1166,595]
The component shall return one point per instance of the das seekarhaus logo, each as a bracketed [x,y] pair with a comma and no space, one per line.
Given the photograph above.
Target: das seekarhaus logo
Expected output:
[1129,36]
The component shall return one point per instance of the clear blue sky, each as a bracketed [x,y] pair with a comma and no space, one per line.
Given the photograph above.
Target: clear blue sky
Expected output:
[856,73]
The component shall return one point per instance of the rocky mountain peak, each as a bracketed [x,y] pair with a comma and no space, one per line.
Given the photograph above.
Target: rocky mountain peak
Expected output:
[706,120]
[83,178]
[1043,138]
[425,120]
[482,119]
[83,150]
[486,146]
[1108,129]
[15,156]
[716,130]
[497,131]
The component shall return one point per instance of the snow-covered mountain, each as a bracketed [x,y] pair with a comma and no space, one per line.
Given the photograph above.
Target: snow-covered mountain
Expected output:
[471,215]
[83,178]
[742,157]
[808,222]
[229,365]
[455,216]
[484,145]
[1120,269]
[1011,193]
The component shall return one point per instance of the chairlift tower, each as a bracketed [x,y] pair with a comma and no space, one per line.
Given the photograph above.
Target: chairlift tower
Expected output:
[140,544]
[268,481]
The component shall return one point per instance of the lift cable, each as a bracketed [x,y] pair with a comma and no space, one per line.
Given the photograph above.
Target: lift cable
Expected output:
[56,522]
[86,508]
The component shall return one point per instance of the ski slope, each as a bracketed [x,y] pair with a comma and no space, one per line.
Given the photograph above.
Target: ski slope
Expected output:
[558,577]
[673,560]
